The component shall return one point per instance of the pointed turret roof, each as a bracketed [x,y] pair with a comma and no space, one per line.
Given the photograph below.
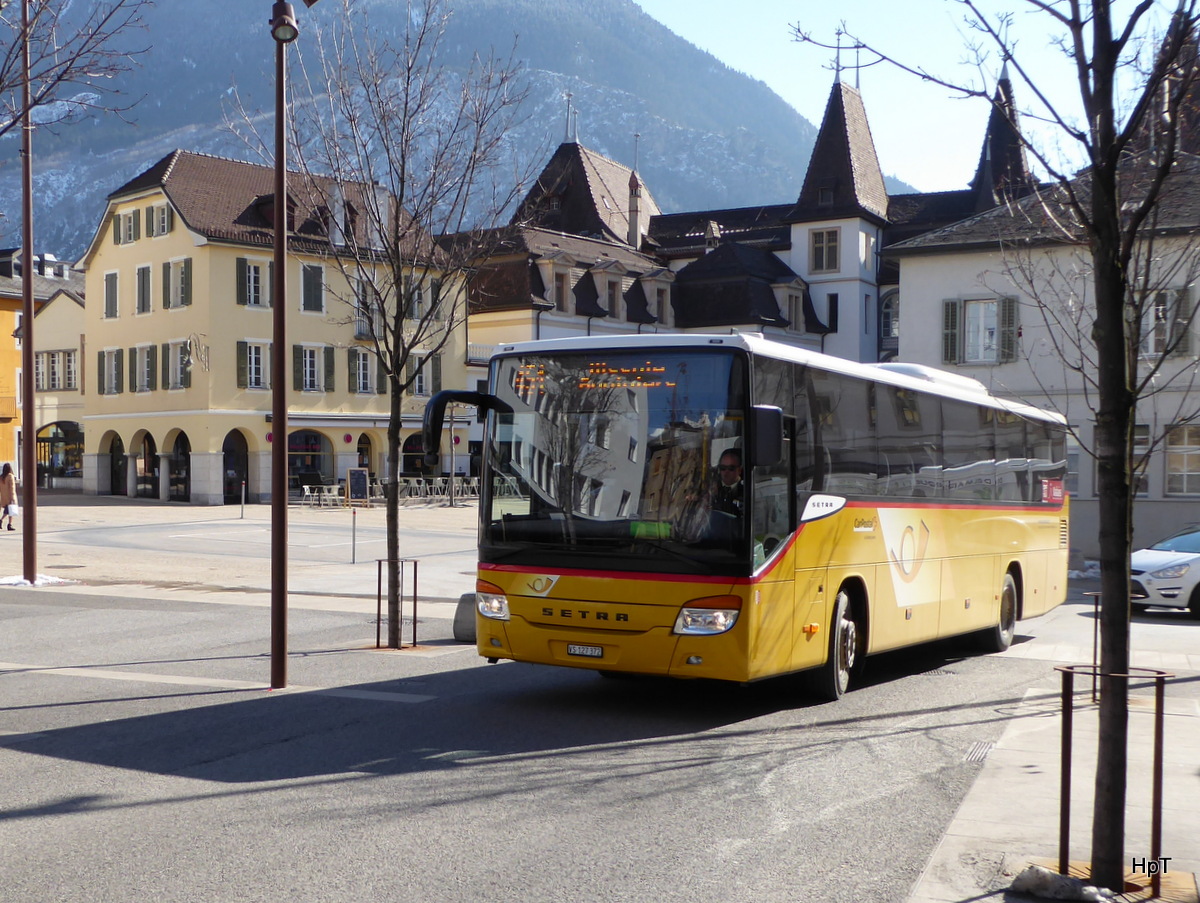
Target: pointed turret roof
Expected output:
[1003,172]
[843,178]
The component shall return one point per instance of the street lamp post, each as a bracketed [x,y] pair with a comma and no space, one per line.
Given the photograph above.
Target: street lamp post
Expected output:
[28,415]
[284,30]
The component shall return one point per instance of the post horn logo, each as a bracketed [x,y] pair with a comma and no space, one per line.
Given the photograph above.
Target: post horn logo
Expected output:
[540,586]
[913,546]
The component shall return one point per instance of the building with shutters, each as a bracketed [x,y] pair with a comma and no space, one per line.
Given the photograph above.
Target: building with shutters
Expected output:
[177,367]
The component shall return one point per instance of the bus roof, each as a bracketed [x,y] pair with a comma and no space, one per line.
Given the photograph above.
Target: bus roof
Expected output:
[915,377]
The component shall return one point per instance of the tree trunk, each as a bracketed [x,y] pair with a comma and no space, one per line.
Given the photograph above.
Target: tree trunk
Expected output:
[1114,432]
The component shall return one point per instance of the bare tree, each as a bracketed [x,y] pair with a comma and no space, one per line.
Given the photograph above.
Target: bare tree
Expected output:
[76,50]
[415,173]
[1106,197]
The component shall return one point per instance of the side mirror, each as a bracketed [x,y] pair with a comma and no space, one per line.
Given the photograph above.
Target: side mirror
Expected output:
[766,424]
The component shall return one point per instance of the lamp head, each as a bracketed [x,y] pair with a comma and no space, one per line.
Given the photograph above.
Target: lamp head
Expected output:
[283,22]
[310,3]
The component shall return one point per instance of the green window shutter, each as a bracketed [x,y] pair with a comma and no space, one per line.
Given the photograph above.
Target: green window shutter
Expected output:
[150,223]
[132,369]
[435,380]
[137,224]
[435,298]
[950,342]
[381,377]
[268,291]
[116,228]
[330,364]
[110,294]
[100,382]
[410,372]
[152,367]
[297,368]
[311,288]
[143,289]
[166,285]
[170,217]
[1007,351]
[352,370]
[241,280]
[166,365]
[185,376]
[120,377]
[242,365]
[186,288]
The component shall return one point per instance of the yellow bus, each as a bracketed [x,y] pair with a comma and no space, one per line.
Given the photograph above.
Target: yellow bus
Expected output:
[730,507]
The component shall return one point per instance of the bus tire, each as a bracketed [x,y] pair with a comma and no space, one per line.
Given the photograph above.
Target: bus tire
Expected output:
[1000,637]
[832,679]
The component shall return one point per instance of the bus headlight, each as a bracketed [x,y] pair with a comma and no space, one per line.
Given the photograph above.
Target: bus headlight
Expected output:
[491,601]
[707,617]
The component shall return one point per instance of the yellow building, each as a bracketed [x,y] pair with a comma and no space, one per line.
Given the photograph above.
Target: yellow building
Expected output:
[55,285]
[179,329]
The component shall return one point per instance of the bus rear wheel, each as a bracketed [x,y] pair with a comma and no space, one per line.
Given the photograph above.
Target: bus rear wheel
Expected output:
[832,679]
[1000,637]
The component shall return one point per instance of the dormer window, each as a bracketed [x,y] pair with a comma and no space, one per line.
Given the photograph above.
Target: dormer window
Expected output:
[825,197]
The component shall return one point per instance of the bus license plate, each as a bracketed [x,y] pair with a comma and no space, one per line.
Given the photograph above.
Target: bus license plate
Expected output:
[588,651]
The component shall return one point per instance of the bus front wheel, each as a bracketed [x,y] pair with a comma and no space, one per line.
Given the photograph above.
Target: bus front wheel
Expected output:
[832,679]
[1000,637]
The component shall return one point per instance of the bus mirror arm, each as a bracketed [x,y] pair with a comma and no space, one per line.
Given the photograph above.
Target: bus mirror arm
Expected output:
[767,424]
[435,416]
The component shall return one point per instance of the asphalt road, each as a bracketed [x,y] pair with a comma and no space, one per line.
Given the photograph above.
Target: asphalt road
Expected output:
[142,758]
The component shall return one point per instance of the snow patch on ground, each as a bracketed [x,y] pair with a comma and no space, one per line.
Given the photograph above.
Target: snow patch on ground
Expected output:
[42,580]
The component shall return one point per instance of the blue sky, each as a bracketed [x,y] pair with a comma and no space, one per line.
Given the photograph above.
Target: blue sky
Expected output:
[923,134]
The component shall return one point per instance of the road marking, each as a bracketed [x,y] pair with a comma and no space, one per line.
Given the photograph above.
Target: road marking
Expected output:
[214,683]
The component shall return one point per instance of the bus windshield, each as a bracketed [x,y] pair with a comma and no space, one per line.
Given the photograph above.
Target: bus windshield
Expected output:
[618,460]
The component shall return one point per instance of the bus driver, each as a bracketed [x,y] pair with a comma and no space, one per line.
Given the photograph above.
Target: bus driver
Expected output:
[729,494]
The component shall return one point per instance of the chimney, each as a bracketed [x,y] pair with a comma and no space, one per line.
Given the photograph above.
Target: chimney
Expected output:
[635,213]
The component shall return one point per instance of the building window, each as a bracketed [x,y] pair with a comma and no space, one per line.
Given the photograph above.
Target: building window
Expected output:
[110,296]
[889,317]
[561,287]
[177,369]
[1166,326]
[824,257]
[979,331]
[362,371]
[160,219]
[424,375]
[662,306]
[177,283]
[414,298]
[54,370]
[312,368]
[1183,460]
[795,312]
[366,303]
[614,300]
[110,371]
[142,360]
[127,227]
[312,298]
[143,290]
[253,282]
[252,365]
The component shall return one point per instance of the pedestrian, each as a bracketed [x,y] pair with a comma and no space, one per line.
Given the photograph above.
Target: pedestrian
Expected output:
[8,495]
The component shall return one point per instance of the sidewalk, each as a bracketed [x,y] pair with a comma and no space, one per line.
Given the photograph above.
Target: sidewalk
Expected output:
[1010,817]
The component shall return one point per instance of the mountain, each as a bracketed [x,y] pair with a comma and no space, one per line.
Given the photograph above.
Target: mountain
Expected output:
[710,137]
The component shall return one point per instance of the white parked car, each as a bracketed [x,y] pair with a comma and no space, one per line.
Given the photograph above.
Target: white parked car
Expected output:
[1168,573]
